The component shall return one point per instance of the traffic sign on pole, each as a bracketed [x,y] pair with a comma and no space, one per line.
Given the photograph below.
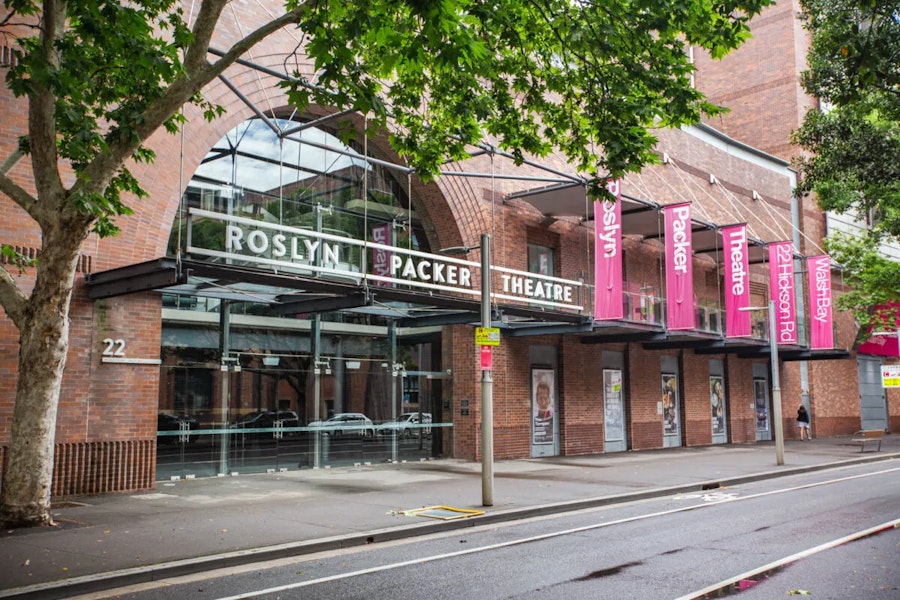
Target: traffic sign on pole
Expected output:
[890,376]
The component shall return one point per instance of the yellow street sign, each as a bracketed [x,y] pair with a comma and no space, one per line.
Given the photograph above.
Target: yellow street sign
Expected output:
[890,376]
[487,336]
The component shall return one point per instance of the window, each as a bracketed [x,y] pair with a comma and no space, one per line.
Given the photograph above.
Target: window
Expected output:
[540,260]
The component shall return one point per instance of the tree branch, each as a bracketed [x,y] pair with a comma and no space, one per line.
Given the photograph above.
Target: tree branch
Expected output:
[42,110]
[11,161]
[244,45]
[20,196]
[198,73]
[12,299]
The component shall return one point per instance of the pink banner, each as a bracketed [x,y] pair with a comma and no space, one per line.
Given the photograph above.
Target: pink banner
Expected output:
[821,334]
[608,297]
[737,280]
[381,259]
[679,268]
[781,289]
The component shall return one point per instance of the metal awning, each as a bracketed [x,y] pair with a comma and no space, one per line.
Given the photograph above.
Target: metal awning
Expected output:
[640,217]
[292,294]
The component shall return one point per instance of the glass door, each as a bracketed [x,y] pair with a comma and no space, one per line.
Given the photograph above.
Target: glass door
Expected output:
[761,402]
[613,411]
[671,402]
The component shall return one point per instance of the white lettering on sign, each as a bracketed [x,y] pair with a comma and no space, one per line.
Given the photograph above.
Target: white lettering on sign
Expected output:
[614,187]
[259,242]
[680,243]
[607,233]
[785,292]
[538,290]
[823,289]
[737,241]
[430,271]
[269,244]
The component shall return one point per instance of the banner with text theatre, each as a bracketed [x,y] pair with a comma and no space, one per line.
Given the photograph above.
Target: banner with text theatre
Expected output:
[679,268]
[781,284]
[608,302]
[821,334]
[737,280]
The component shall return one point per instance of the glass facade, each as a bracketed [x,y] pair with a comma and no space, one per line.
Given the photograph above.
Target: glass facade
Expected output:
[252,379]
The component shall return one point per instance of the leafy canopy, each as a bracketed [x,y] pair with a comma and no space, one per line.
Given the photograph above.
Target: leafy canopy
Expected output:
[854,165]
[591,78]
[582,76]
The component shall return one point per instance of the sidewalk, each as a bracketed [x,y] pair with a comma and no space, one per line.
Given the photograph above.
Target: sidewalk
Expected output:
[194,525]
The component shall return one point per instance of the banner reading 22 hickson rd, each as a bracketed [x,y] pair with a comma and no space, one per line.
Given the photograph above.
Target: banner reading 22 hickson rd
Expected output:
[679,267]
[781,282]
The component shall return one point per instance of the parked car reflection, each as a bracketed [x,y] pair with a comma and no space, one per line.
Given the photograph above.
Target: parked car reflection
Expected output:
[266,419]
[346,424]
[407,425]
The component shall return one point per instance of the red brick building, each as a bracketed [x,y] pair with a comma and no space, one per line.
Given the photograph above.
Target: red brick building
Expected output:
[211,338]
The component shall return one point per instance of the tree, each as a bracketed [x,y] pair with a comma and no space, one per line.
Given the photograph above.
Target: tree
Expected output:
[853,165]
[99,77]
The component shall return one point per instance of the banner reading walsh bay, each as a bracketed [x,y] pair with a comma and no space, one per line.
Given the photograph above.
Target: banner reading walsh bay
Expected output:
[250,242]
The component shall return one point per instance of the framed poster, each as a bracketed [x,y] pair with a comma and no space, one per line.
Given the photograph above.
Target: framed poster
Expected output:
[761,398]
[670,404]
[543,405]
[717,403]
[613,408]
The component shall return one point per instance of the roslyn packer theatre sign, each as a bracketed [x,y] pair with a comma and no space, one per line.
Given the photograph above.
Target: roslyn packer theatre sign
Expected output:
[307,252]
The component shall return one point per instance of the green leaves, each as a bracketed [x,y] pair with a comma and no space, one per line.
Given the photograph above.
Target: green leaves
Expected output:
[854,50]
[111,62]
[589,78]
[872,277]
[853,164]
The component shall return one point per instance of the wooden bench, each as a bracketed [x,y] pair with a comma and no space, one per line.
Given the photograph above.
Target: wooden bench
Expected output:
[868,435]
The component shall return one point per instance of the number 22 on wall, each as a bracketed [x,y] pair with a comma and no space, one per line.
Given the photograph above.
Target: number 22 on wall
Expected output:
[114,347]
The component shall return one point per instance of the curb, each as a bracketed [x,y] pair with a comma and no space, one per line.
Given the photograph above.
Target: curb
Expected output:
[124,577]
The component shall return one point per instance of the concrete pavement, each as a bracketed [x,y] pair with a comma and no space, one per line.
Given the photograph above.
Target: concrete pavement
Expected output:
[195,525]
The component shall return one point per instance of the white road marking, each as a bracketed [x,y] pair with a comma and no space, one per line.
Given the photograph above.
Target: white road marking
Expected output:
[710,497]
[790,559]
[545,536]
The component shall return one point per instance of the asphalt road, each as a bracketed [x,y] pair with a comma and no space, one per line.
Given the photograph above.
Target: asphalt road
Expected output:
[779,537]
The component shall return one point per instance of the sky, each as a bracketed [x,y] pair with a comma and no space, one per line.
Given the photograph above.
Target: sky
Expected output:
[256,138]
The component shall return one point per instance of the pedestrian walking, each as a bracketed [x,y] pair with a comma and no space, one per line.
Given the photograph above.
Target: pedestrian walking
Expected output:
[803,422]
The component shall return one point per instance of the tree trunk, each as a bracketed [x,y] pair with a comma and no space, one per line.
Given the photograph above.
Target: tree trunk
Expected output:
[43,345]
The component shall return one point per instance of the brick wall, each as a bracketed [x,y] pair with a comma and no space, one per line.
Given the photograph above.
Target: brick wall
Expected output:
[105,404]
[759,82]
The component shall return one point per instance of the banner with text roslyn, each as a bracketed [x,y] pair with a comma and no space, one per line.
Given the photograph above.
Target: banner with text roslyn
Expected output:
[608,256]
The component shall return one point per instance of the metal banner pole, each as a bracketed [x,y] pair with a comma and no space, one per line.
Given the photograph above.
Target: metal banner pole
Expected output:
[487,384]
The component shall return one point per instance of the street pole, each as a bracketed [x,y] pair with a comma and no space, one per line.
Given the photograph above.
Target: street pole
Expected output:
[776,387]
[487,383]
